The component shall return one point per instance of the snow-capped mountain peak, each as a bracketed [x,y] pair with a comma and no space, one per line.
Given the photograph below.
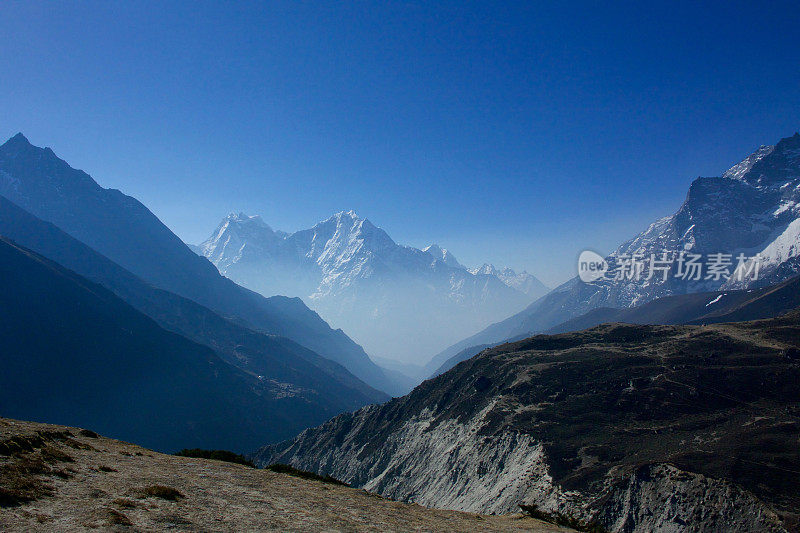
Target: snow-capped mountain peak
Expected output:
[522,281]
[236,231]
[343,241]
[486,268]
[443,255]
[250,222]
[770,165]
[752,210]
[739,170]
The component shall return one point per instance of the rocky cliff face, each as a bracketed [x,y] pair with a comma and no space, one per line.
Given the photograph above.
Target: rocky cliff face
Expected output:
[637,428]
[664,498]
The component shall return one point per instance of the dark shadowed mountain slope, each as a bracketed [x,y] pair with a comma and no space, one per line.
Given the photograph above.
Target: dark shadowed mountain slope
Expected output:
[324,383]
[699,308]
[463,355]
[74,353]
[753,208]
[122,229]
[639,428]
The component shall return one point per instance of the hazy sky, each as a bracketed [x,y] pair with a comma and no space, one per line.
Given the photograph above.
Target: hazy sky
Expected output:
[509,134]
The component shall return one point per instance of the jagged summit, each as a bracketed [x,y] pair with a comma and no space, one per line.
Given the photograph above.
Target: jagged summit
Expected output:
[348,221]
[241,215]
[229,239]
[21,143]
[350,213]
[343,217]
[243,218]
[19,138]
[521,281]
[769,165]
[485,268]
[349,217]
[241,221]
[444,255]
[40,167]
[740,169]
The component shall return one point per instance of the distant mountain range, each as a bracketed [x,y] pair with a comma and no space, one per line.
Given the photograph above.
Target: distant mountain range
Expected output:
[126,232]
[399,302]
[616,428]
[753,208]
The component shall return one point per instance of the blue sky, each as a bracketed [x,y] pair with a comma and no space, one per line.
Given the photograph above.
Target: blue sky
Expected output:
[509,133]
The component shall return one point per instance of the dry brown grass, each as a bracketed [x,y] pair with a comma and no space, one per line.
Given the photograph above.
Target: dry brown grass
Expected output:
[53,455]
[125,503]
[116,518]
[20,481]
[161,491]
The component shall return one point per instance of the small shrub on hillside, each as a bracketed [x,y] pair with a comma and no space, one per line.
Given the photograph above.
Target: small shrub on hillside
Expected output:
[161,491]
[217,455]
[116,518]
[562,520]
[125,503]
[53,455]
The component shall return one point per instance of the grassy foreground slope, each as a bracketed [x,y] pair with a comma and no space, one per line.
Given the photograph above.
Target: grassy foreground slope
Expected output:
[55,478]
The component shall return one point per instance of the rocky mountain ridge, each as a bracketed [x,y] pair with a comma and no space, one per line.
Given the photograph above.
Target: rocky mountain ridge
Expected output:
[322,382]
[75,353]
